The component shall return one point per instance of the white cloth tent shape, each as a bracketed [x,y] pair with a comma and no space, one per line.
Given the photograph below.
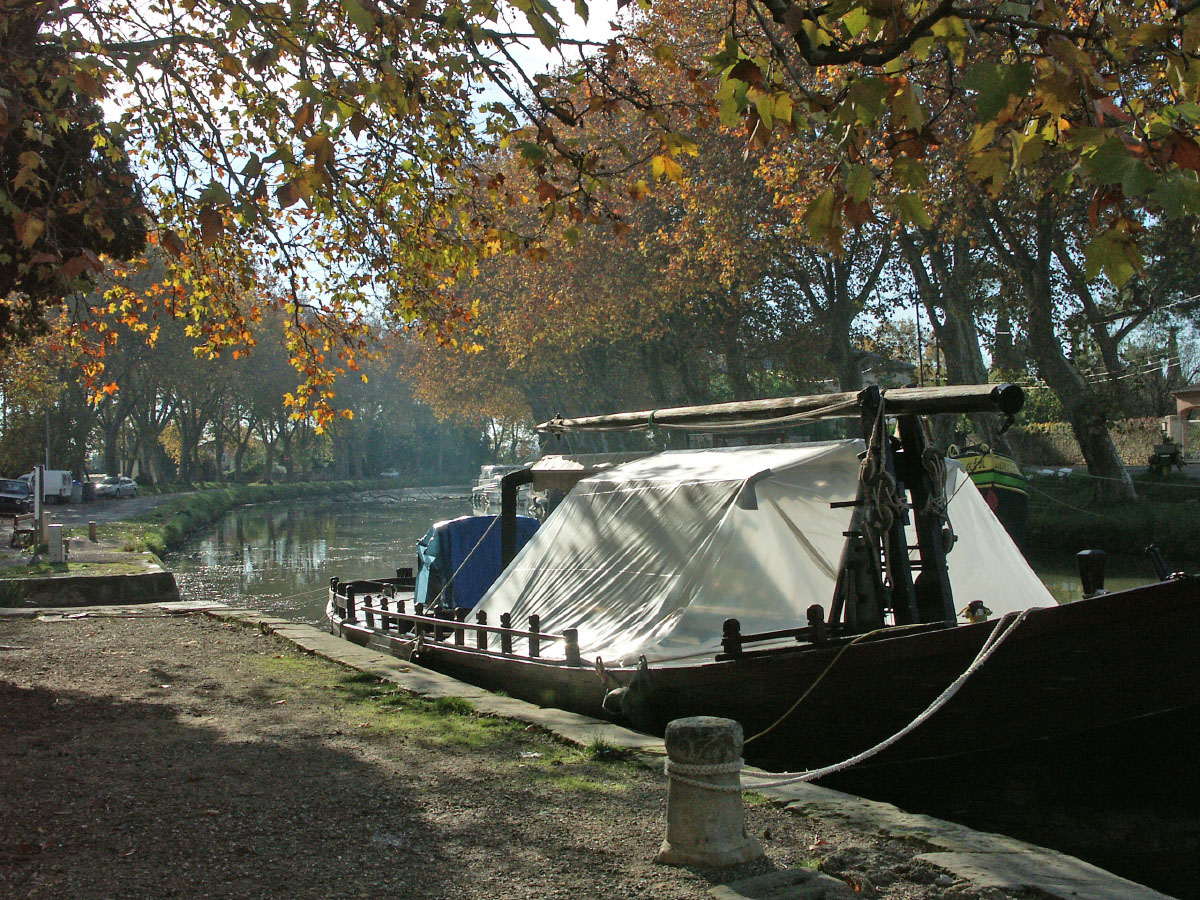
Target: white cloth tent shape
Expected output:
[650,557]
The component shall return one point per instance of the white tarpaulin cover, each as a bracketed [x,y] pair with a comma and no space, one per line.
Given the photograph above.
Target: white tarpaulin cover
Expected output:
[650,557]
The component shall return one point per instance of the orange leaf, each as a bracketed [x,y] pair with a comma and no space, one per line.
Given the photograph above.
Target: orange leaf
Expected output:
[211,225]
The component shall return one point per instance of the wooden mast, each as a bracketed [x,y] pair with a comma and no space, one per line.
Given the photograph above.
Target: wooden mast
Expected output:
[972,398]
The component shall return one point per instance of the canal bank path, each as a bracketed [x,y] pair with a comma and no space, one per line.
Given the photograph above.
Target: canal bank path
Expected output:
[194,750]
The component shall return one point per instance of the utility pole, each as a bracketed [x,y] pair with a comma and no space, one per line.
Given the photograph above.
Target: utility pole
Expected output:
[920,349]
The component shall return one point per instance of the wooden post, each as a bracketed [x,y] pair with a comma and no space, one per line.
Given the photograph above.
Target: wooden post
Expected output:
[384,621]
[480,634]
[535,641]
[370,616]
[818,633]
[460,634]
[419,627]
[350,617]
[731,637]
[506,635]
[571,639]
[92,532]
[438,633]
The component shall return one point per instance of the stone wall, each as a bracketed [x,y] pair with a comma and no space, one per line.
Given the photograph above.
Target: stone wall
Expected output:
[98,590]
[1052,444]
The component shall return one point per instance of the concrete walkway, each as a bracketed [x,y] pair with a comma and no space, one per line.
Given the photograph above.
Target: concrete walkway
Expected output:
[984,860]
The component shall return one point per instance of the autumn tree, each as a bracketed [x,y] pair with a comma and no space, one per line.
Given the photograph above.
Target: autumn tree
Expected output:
[67,194]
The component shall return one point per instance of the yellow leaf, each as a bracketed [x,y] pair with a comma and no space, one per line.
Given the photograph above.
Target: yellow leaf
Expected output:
[28,228]
[663,166]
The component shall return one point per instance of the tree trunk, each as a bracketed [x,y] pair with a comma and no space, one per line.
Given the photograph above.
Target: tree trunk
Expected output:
[1085,412]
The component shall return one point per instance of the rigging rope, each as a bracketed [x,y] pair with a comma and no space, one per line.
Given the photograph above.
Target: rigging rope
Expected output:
[466,559]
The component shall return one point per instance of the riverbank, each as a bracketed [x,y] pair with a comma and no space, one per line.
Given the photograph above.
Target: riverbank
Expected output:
[1063,516]
[167,526]
[178,755]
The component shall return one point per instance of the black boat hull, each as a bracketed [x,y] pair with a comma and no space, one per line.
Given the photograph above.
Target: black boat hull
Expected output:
[1086,667]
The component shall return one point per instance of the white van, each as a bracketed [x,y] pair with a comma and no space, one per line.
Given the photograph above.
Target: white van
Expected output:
[56,484]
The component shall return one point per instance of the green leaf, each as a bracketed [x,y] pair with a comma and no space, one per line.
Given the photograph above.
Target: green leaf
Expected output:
[1178,195]
[1108,163]
[912,211]
[214,194]
[531,152]
[1114,253]
[867,96]
[1138,180]
[911,171]
[856,20]
[239,18]
[358,14]
[859,180]
[818,218]
[996,83]
[731,113]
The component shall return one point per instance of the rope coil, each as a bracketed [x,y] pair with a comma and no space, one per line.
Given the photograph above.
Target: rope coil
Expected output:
[678,772]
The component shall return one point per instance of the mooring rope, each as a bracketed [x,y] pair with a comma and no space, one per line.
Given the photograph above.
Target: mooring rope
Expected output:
[678,771]
[1005,626]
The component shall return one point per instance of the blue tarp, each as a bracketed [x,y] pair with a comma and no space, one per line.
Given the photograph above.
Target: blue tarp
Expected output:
[443,549]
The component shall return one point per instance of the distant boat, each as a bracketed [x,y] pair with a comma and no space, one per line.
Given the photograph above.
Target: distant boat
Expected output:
[1002,484]
[824,595]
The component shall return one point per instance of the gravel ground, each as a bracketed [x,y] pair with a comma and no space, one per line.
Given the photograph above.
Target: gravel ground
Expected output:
[176,756]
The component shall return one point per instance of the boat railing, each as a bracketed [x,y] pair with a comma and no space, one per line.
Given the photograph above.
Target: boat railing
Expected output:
[451,625]
[818,632]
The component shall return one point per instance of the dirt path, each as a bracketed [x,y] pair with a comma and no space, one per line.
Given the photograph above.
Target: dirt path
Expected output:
[109,509]
[159,757]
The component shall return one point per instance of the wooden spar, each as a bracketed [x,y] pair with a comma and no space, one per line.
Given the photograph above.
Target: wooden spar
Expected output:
[969,398]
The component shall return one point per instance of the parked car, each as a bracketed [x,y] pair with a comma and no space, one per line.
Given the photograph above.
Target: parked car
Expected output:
[117,486]
[15,496]
[389,473]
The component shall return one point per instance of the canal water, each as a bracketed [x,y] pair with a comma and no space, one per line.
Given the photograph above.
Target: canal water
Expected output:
[279,557]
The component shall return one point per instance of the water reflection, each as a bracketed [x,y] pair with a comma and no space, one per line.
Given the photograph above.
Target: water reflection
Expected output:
[279,557]
[1060,574]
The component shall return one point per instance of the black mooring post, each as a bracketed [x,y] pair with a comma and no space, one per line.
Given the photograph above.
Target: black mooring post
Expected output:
[510,485]
[903,593]
[935,597]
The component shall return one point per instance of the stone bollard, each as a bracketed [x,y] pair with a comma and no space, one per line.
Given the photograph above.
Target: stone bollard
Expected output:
[92,532]
[706,823]
[55,542]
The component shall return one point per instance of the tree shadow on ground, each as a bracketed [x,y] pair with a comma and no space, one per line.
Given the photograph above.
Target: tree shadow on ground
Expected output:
[108,798]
